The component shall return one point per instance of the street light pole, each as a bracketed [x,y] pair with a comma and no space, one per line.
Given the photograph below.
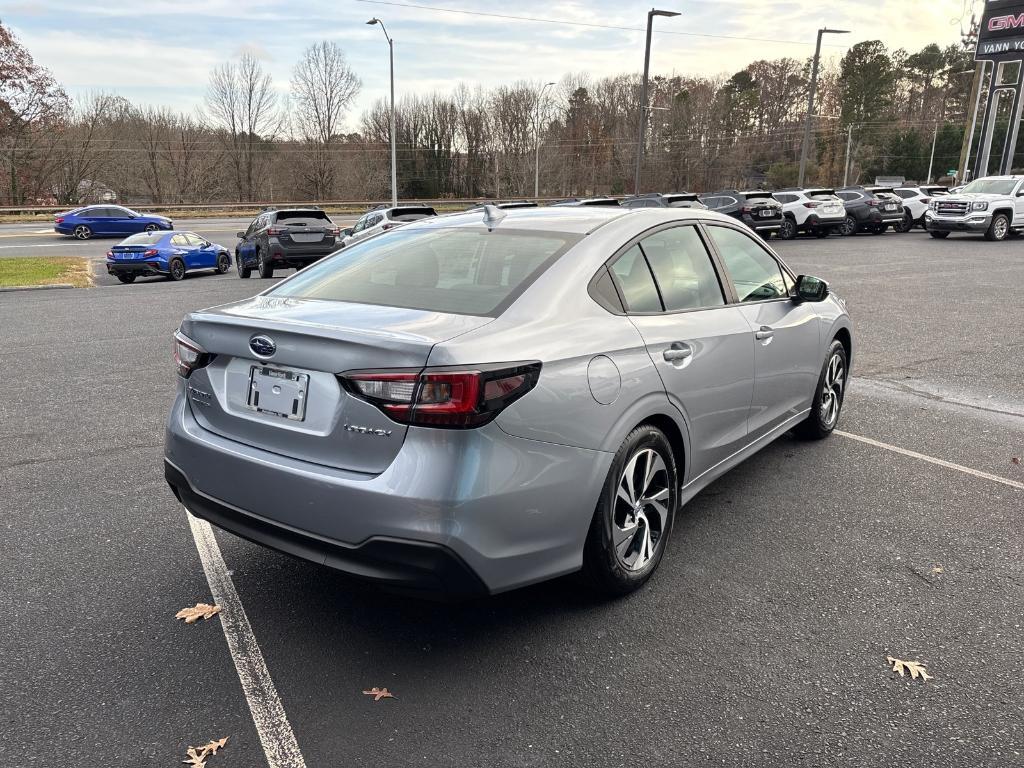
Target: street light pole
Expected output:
[849,144]
[643,94]
[394,125]
[931,160]
[536,163]
[810,100]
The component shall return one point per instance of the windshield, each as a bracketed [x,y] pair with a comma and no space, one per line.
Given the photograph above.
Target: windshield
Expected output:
[460,271]
[990,187]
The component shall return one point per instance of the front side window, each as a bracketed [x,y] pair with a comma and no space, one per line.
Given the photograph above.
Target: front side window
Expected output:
[756,275]
[635,280]
[457,270]
[683,269]
[194,239]
[180,241]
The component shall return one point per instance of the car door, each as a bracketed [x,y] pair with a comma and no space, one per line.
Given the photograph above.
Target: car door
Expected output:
[247,245]
[202,254]
[786,333]
[182,249]
[97,220]
[120,222]
[1018,206]
[701,346]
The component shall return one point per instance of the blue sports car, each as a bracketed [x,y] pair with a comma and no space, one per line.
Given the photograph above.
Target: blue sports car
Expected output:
[170,254]
[102,220]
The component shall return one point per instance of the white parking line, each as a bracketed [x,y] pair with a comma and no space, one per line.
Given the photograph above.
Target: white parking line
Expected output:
[933,460]
[37,245]
[279,744]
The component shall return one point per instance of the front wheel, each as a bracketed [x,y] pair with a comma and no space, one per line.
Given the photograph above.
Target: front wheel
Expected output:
[152,228]
[177,270]
[634,516]
[999,228]
[787,229]
[126,279]
[828,397]
[223,263]
[938,235]
[848,227]
[243,272]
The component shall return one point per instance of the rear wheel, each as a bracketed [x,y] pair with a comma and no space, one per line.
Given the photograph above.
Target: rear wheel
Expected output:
[905,224]
[82,232]
[999,228]
[126,278]
[634,515]
[223,263]
[849,226]
[243,272]
[828,397]
[266,268]
[787,230]
[177,270]
[938,235]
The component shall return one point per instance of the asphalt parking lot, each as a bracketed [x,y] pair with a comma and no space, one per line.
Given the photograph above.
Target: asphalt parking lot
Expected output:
[762,640]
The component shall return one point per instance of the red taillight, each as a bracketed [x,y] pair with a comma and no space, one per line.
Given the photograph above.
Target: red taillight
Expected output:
[110,254]
[440,397]
[334,232]
[275,231]
[59,220]
[873,203]
[747,209]
[151,252]
[811,205]
[389,225]
[188,355]
[926,200]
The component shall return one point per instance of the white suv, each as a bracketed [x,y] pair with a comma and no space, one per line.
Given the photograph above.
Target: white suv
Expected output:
[814,210]
[382,218]
[916,201]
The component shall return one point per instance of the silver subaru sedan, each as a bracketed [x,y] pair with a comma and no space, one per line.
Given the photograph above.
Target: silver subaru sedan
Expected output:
[476,402]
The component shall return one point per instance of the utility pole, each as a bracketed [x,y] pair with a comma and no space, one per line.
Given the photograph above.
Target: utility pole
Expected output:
[810,100]
[968,142]
[643,94]
[849,146]
[931,160]
[394,124]
[536,162]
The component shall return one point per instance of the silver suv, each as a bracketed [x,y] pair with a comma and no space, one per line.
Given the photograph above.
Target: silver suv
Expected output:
[478,402]
[383,218]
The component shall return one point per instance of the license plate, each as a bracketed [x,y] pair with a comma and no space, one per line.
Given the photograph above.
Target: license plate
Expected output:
[767,213]
[307,237]
[277,392]
[890,207]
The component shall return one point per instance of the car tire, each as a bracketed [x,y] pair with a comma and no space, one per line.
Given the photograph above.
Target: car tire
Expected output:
[905,225]
[81,232]
[176,270]
[223,263]
[634,516]
[126,279]
[848,227]
[152,228]
[938,235]
[828,395]
[999,228]
[878,229]
[243,272]
[787,229]
[265,267]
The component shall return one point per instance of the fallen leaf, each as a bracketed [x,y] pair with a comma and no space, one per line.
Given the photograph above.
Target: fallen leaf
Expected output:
[201,611]
[915,668]
[937,569]
[213,746]
[197,755]
[1015,460]
[378,693]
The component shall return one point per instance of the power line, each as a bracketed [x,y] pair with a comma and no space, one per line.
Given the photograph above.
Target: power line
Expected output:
[591,25]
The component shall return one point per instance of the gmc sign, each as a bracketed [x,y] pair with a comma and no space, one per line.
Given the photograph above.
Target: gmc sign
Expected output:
[1001,34]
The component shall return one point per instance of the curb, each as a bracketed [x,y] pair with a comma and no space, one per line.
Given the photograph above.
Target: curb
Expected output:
[35,287]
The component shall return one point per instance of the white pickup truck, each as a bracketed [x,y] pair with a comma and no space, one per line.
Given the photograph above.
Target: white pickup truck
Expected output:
[993,205]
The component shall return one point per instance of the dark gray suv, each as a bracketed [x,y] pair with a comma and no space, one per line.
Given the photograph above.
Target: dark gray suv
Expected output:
[289,237]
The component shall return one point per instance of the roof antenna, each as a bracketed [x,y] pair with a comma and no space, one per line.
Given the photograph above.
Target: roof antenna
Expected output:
[493,216]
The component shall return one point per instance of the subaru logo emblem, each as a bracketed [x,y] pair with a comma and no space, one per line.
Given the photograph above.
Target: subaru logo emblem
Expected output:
[262,346]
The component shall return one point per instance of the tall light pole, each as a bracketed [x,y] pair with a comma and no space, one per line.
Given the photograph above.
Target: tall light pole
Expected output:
[849,146]
[643,94]
[931,160]
[394,124]
[536,163]
[810,100]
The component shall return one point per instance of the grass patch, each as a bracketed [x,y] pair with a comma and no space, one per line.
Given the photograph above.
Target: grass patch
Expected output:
[31,270]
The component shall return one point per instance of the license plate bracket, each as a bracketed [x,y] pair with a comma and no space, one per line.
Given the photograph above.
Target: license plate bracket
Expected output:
[277,392]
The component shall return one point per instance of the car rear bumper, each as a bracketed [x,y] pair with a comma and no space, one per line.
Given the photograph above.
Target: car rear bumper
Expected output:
[763,225]
[814,220]
[507,510]
[135,268]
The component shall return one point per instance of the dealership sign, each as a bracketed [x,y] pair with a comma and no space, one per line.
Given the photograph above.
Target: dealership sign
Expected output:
[1001,34]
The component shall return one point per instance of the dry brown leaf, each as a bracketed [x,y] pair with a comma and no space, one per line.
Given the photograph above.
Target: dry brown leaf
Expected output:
[937,569]
[1015,460]
[378,693]
[201,611]
[915,668]
[213,746]
[197,755]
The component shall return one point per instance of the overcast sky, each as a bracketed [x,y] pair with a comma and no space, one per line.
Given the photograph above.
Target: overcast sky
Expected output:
[163,55]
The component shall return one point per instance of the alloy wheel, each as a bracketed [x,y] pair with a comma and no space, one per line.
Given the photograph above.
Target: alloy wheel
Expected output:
[849,226]
[151,227]
[1000,227]
[832,391]
[641,509]
[82,232]
[787,230]
[177,270]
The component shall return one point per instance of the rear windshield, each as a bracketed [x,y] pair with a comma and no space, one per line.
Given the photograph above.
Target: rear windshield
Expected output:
[143,238]
[759,196]
[411,214]
[459,271]
[302,218]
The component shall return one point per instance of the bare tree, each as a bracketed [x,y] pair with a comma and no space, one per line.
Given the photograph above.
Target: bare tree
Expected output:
[243,104]
[323,88]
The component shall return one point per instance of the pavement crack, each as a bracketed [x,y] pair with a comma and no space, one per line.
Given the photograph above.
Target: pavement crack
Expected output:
[919,575]
[80,455]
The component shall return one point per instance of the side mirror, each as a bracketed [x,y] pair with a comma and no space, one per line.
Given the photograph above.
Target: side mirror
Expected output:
[239,234]
[346,232]
[810,288]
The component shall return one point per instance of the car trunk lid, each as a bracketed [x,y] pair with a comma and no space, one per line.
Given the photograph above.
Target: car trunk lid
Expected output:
[290,401]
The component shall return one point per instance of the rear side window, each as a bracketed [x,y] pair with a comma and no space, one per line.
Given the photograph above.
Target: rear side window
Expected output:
[460,271]
[756,275]
[848,196]
[179,240]
[786,198]
[410,213]
[683,269]
[635,281]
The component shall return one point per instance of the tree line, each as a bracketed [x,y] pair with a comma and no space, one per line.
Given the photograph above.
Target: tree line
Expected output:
[247,143]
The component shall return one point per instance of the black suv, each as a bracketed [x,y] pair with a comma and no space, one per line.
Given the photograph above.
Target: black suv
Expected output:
[755,208]
[658,200]
[870,209]
[289,237]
